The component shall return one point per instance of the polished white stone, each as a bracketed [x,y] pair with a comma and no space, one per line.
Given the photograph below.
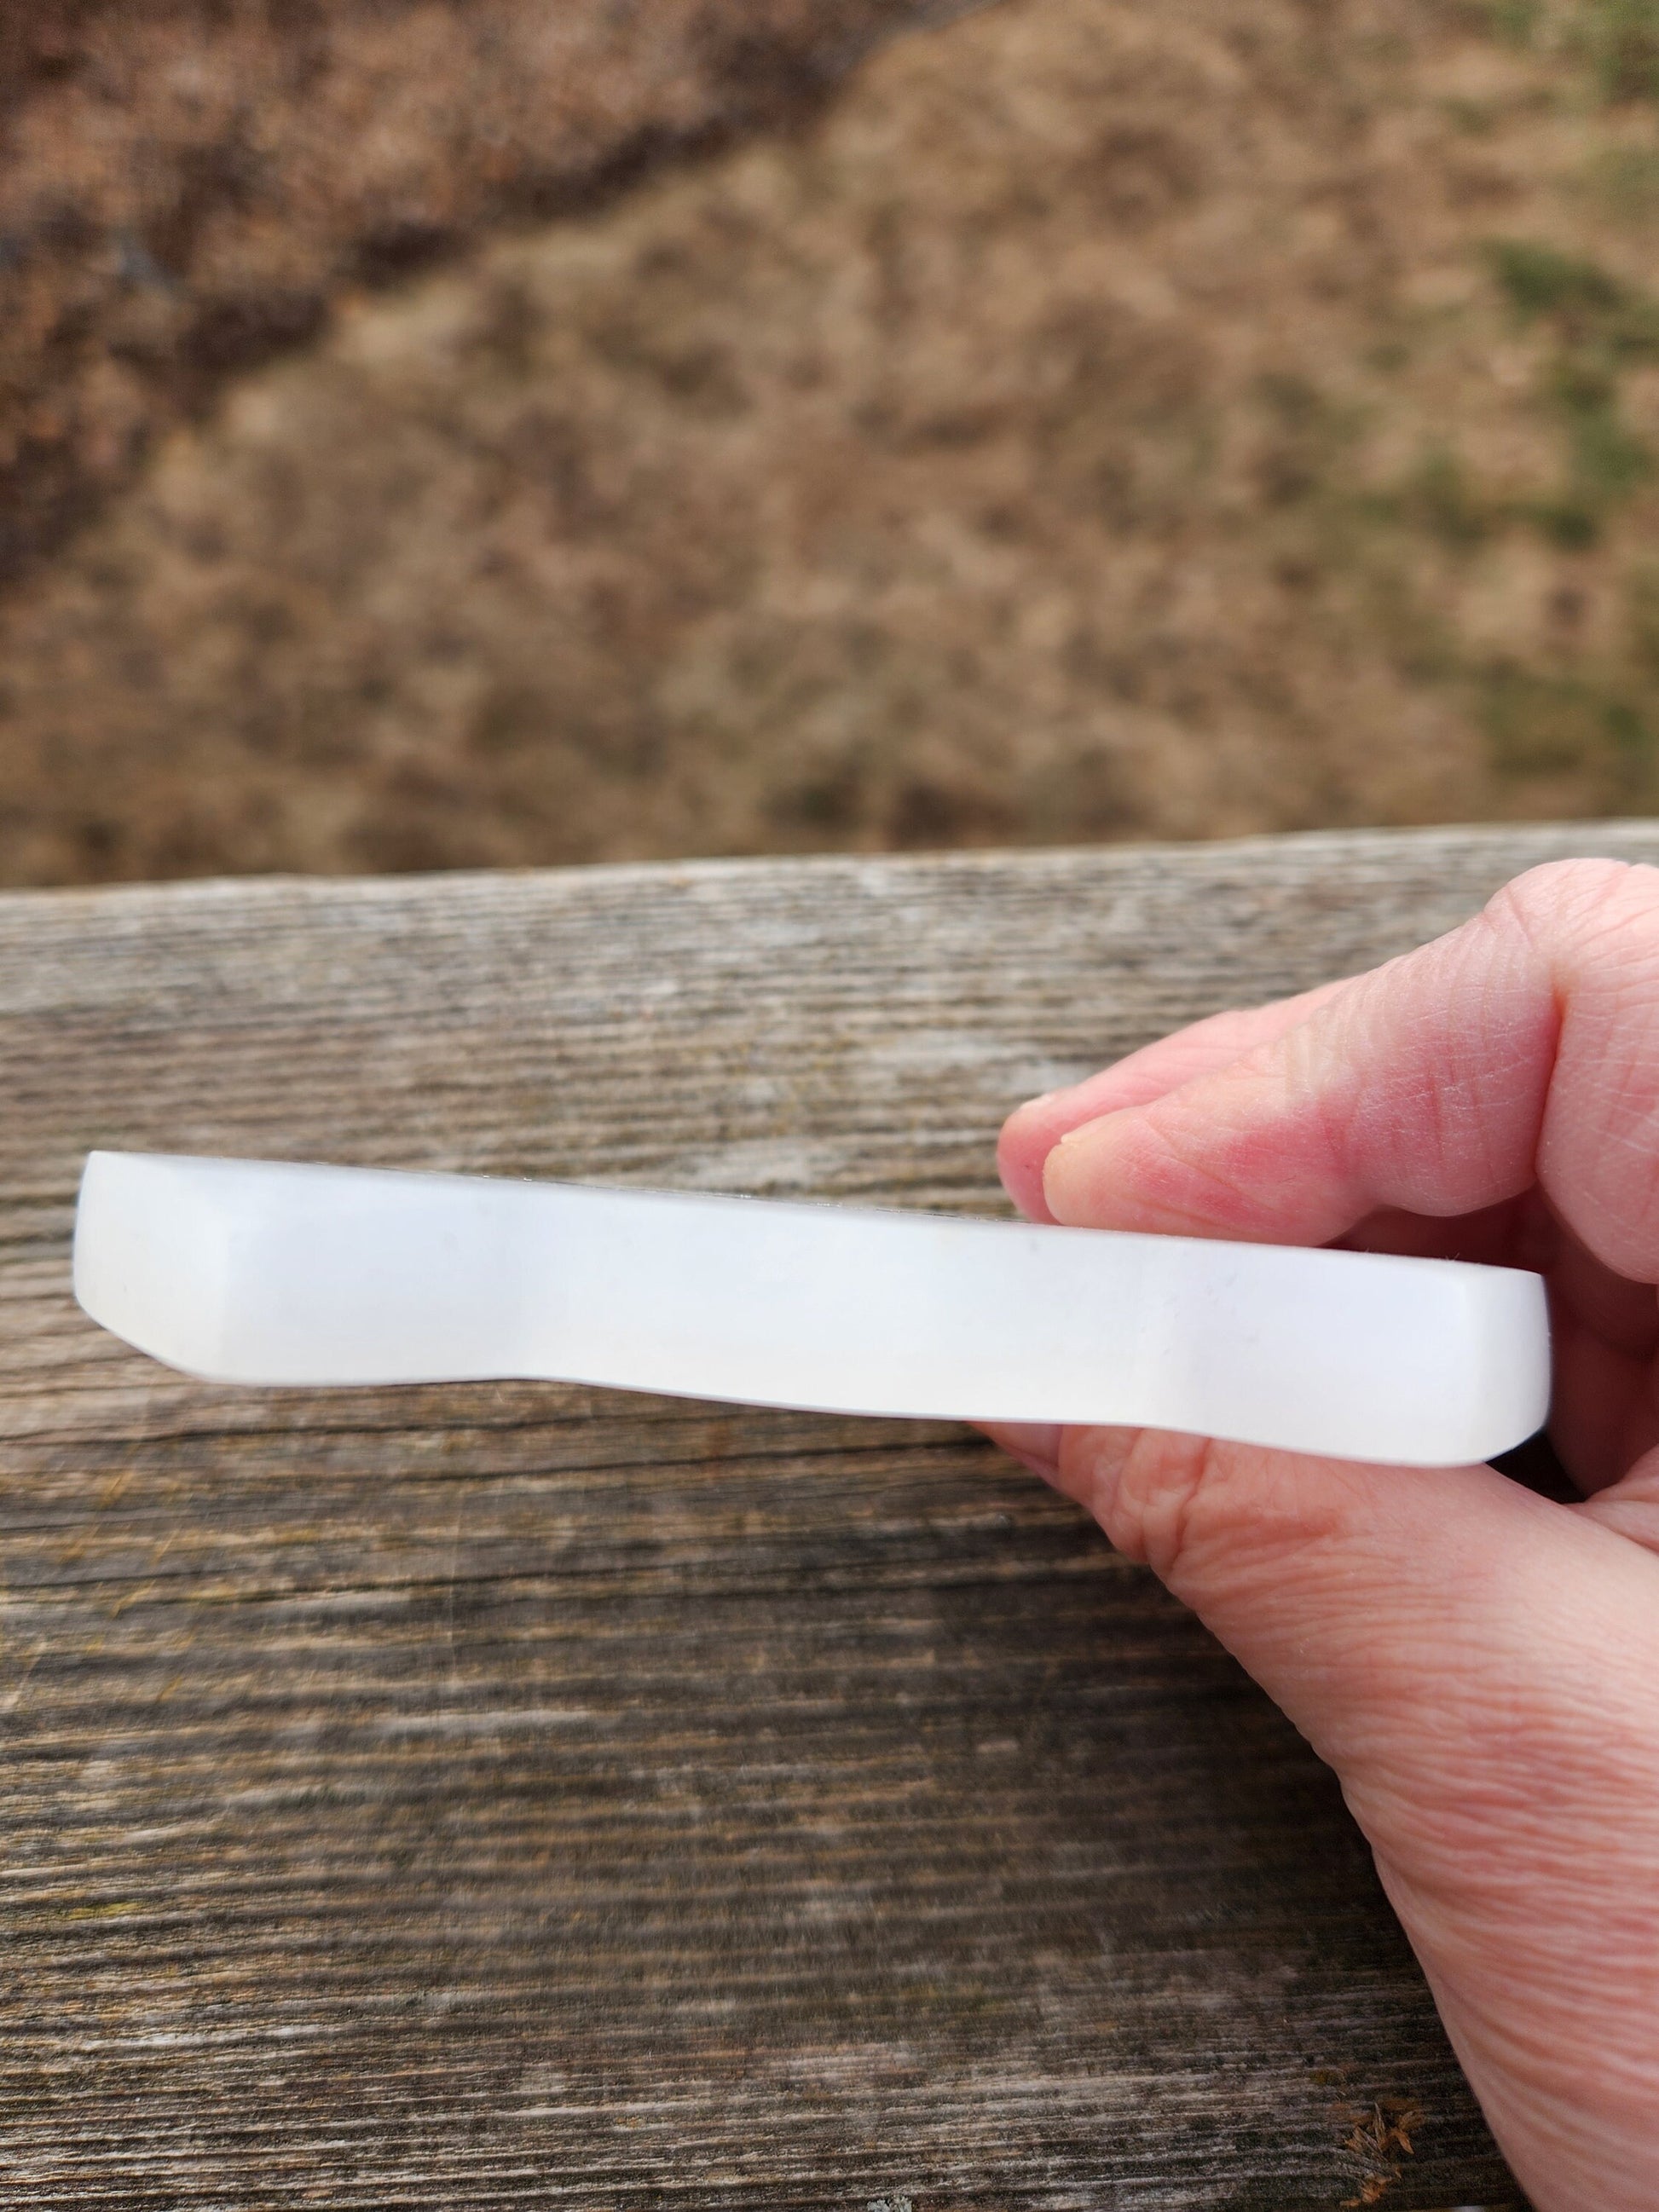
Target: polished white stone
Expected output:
[254,1271]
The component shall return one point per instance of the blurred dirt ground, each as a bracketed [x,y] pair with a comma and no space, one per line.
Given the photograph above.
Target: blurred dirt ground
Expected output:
[1061,419]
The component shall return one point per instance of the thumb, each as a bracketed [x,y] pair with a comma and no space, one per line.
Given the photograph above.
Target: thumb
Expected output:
[1477,1664]
[1391,1611]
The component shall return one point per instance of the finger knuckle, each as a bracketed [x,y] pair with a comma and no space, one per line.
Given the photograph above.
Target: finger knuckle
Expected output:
[1208,1516]
[1165,1499]
[1566,906]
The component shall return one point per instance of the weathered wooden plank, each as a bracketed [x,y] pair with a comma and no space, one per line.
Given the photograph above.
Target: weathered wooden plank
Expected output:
[507,1794]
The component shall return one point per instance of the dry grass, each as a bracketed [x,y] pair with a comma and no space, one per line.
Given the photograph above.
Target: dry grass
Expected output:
[185,186]
[1105,421]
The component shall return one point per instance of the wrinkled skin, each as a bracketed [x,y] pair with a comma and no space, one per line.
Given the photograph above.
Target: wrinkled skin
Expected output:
[1479,1664]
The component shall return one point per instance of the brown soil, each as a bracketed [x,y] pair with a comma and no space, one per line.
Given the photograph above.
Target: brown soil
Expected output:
[1101,422]
[185,186]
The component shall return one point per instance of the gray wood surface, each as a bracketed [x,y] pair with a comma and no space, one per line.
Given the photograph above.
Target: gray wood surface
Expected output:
[497,1795]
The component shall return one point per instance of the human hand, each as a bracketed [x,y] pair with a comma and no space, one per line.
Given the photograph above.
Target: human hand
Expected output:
[1479,1665]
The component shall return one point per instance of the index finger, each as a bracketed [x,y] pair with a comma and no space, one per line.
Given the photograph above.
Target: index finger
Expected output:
[1031,1132]
[1522,1048]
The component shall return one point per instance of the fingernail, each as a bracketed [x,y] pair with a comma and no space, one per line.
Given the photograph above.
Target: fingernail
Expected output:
[1060,1176]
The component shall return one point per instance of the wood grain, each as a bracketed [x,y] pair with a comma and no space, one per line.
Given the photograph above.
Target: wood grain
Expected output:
[493,1795]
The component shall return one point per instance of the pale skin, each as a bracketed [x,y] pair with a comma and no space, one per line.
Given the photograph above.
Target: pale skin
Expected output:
[1479,1665]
